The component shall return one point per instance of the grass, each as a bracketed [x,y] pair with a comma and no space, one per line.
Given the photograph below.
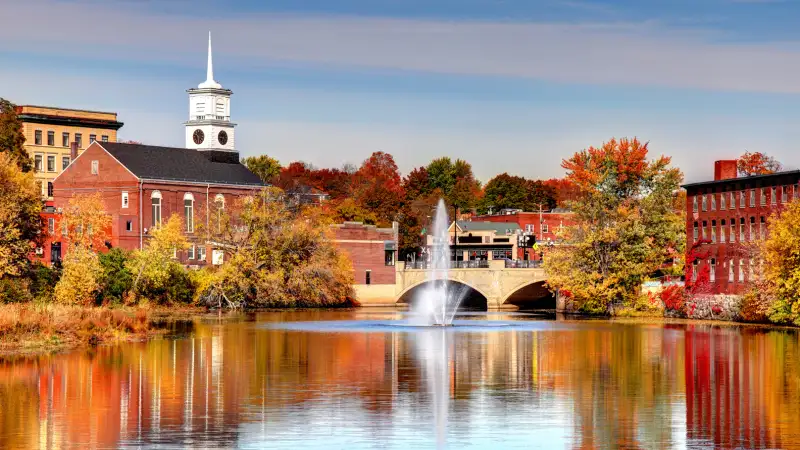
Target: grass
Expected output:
[25,326]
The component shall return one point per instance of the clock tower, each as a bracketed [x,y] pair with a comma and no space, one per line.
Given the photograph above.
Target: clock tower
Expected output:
[209,126]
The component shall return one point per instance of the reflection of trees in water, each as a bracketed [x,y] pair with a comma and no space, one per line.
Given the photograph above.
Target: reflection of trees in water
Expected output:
[624,382]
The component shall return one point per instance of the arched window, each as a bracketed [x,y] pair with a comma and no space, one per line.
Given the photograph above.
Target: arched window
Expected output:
[155,202]
[219,203]
[188,209]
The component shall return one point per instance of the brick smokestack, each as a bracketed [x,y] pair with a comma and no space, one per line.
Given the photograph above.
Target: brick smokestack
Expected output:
[73,151]
[724,169]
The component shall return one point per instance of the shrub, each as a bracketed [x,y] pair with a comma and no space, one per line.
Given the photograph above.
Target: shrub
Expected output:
[116,279]
[43,281]
[674,299]
[79,280]
[15,290]
[757,303]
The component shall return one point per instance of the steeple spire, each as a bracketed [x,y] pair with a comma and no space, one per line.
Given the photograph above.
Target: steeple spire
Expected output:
[209,83]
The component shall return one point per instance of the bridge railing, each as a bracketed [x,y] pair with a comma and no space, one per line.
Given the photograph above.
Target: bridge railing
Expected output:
[523,264]
[425,265]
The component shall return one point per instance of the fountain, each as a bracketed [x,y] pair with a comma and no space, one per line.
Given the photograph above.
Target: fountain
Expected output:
[438,302]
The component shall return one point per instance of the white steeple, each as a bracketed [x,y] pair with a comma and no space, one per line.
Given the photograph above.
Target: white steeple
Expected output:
[209,83]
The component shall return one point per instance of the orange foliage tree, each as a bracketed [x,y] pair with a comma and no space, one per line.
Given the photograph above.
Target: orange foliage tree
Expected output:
[757,163]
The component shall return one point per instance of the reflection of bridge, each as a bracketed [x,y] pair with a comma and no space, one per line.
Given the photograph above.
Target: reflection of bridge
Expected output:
[490,285]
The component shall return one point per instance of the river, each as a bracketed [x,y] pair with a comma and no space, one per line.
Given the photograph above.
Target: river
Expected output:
[247,381]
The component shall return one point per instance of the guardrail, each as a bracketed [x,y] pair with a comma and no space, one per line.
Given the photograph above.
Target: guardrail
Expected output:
[523,264]
[425,265]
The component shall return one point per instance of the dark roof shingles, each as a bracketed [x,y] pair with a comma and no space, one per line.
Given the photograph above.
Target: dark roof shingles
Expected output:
[178,164]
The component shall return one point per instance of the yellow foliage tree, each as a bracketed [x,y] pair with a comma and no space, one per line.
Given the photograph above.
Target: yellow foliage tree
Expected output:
[20,223]
[154,265]
[86,224]
[781,254]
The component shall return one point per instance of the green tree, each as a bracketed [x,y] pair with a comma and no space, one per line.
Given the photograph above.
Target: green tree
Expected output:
[508,191]
[20,222]
[626,225]
[11,138]
[268,169]
[456,182]
[116,279]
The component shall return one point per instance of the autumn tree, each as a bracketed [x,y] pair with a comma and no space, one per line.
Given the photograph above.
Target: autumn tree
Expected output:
[86,224]
[780,252]
[378,188]
[11,137]
[626,225]
[280,259]
[266,168]
[757,163]
[154,266]
[456,182]
[20,222]
[565,191]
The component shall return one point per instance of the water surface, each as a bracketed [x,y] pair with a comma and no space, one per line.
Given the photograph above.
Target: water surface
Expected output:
[358,380]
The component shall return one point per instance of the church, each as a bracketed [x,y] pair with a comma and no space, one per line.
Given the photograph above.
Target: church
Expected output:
[143,185]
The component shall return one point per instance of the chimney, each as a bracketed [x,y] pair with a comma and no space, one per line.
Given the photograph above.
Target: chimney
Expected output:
[73,151]
[724,169]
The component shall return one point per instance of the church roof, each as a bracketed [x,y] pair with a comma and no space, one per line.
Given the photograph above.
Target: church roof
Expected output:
[180,164]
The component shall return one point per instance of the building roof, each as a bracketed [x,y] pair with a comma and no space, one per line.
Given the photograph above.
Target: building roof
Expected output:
[753,178]
[68,117]
[180,164]
[497,227]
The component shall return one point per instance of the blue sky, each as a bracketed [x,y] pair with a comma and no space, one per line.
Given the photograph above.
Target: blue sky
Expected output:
[511,86]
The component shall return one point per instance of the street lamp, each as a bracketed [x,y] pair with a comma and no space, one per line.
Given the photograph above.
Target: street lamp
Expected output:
[455,233]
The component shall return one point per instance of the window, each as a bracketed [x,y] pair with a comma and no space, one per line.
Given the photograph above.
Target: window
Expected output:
[529,228]
[37,162]
[65,139]
[713,202]
[49,188]
[51,163]
[695,232]
[741,199]
[752,198]
[124,199]
[545,228]
[763,196]
[129,225]
[64,162]
[751,267]
[785,193]
[388,257]
[51,138]
[188,211]
[79,139]
[219,202]
[741,271]
[741,229]
[732,234]
[501,254]
[51,225]
[762,228]
[705,233]
[773,195]
[190,252]
[752,225]
[694,271]
[712,275]
[722,201]
[104,138]
[368,277]
[155,203]
[95,167]
[722,231]
[732,202]
[37,137]
[92,138]
[694,203]
[703,199]
[201,253]
[730,271]
[713,231]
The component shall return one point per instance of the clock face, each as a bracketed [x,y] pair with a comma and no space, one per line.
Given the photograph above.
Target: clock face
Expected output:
[198,136]
[222,137]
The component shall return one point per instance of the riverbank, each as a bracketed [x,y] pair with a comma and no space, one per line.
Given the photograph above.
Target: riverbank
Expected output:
[34,328]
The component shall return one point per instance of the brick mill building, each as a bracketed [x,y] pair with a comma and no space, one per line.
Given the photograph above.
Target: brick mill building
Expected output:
[143,185]
[373,252]
[726,216]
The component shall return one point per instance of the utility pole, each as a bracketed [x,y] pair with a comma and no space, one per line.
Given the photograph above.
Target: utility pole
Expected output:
[455,233]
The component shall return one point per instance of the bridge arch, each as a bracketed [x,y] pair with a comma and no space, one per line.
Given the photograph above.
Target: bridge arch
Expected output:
[473,297]
[530,295]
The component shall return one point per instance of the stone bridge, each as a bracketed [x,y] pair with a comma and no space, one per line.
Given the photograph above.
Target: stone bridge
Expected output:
[487,284]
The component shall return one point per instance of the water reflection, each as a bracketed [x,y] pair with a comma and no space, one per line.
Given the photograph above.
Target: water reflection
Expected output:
[234,383]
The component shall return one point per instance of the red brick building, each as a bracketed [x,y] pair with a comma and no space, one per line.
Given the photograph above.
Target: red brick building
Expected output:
[143,185]
[372,250]
[725,216]
[543,225]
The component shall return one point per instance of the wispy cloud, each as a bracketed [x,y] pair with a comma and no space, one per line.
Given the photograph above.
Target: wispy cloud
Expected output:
[618,53]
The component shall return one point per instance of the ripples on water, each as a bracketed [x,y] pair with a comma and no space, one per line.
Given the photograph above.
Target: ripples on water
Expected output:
[359,380]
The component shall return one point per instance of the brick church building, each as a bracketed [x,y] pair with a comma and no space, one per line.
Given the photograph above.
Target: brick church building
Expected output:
[143,185]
